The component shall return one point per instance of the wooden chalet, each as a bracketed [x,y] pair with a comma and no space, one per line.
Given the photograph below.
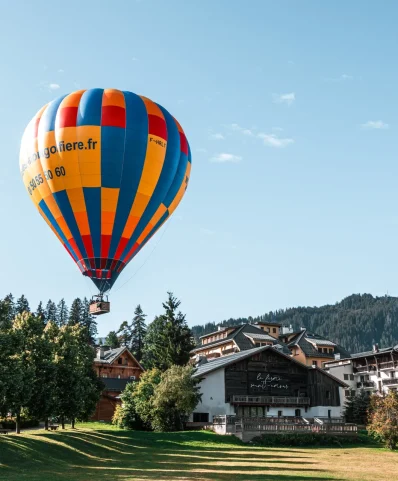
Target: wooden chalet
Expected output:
[265,382]
[116,368]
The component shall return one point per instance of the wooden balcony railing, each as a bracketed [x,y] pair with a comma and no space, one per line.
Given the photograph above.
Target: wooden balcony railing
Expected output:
[271,400]
[386,365]
[333,428]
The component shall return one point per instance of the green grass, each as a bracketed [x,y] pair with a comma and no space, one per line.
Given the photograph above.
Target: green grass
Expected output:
[101,452]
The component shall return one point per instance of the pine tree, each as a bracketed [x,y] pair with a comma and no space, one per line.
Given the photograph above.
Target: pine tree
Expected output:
[62,313]
[10,307]
[22,305]
[168,340]
[112,340]
[40,313]
[50,312]
[138,328]
[125,334]
[76,311]
[7,310]
[88,320]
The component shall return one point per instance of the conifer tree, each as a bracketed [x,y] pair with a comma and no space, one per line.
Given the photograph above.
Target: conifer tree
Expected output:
[40,313]
[112,340]
[125,334]
[88,320]
[22,305]
[138,328]
[62,313]
[168,340]
[75,313]
[50,312]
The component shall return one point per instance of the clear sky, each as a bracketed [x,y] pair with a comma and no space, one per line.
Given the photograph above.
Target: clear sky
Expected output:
[290,109]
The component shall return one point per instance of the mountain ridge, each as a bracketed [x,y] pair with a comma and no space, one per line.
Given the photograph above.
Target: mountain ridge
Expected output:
[356,322]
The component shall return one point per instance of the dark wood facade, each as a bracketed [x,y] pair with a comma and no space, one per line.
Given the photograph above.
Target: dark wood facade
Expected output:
[270,374]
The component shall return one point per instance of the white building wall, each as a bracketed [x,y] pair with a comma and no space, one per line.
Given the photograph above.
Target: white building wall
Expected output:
[213,402]
[213,396]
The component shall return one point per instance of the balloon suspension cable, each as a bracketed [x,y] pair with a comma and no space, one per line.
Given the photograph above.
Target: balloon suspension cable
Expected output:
[146,260]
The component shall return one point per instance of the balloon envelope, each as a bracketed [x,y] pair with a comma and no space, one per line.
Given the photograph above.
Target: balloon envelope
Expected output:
[105,169]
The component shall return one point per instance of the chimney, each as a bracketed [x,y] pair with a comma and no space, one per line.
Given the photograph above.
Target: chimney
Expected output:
[375,347]
[100,352]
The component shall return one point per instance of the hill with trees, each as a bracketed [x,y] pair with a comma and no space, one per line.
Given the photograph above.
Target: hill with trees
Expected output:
[357,322]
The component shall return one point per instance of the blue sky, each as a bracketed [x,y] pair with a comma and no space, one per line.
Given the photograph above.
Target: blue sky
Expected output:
[290,110]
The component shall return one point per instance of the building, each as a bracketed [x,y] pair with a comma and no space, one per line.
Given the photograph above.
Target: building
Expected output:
[229,340]
[375,371]
[263,382]
[312,349]
[116,367]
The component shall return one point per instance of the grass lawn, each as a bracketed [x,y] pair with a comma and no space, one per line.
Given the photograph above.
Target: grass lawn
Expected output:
[96,451]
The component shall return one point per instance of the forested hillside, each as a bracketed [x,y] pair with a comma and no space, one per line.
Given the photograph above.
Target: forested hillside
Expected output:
[356,322]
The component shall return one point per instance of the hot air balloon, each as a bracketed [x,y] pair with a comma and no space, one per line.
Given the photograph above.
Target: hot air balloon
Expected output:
[105,168]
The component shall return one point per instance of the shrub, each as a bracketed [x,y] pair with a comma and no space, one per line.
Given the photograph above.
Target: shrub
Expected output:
[309,439]
[10,423]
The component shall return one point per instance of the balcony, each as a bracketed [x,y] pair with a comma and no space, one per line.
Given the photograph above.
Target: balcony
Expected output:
[384,366]
[366,385]
[361,369]
[271,400]
[390,382]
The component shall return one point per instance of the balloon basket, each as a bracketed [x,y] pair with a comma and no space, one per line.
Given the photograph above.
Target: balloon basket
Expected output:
[98,306]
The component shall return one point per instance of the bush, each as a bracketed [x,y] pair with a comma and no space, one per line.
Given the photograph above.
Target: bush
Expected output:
[309,439]
[9,423]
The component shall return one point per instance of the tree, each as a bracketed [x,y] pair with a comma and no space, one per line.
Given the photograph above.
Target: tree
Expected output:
[143,396]
[138,328]
[62,313]
[7,310]
[356,408]
[40,313]
[20,364]
[125,334]
[88,320]
[50,312]
[384,419]
[159,401]
[78,389]
[75,313]
[168,340]
[22,305]
[125,415]
[43,402]
[112,340]
[176,396]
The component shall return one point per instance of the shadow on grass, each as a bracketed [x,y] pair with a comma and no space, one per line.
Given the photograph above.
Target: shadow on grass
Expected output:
[88,455]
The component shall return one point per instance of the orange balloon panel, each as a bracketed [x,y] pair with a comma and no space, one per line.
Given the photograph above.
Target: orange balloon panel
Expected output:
[105,169]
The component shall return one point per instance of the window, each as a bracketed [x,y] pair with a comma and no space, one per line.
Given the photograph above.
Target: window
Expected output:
[280,414]
[327,394]
[104,375]
[347,393]
[314,363]
[274,330]
[325,350]
[331,351]
[120,360]
[297,413]
[200,417]
[319,349]
[352,377]
[392,374]
[345,377]
[329,413]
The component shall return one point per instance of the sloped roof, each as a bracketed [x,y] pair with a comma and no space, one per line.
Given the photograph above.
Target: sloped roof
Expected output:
[224,361]
[304,340]
[371,353]
[112,354]
[260,337]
